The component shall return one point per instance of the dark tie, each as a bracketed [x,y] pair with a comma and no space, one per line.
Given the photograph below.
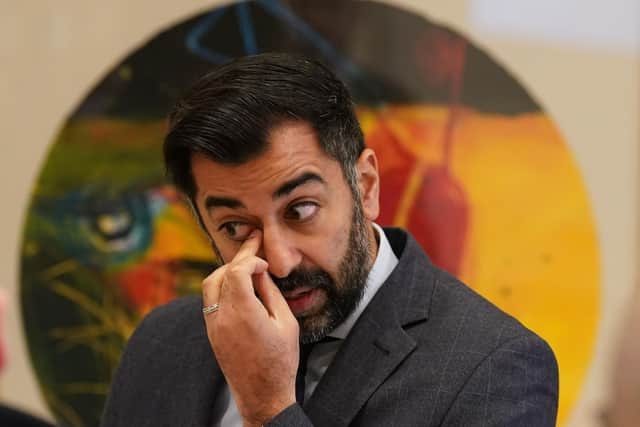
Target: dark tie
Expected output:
[305,351]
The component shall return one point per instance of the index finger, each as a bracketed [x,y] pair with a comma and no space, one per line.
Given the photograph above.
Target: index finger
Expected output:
[250,246]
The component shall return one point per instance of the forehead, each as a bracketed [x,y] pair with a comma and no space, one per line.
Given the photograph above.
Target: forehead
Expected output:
[292,149]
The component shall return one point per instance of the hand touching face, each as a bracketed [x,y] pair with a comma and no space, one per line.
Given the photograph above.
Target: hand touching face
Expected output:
[253,334]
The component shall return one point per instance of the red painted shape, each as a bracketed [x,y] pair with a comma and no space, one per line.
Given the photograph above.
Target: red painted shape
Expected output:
[148,285]
[392,186]
[439,219]
[394,178]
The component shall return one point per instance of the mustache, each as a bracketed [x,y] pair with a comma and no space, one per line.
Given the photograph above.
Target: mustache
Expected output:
[299,277]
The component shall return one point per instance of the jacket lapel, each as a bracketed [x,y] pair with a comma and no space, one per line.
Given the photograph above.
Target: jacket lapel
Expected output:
[378,342]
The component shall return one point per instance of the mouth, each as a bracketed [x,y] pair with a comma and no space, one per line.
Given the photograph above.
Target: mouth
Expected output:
[304,299]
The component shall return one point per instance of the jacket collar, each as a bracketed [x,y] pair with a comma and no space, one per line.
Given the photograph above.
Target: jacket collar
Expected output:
[378,343]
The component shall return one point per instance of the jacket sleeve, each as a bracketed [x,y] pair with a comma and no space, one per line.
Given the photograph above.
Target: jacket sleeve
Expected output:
[515,385]
[293,416]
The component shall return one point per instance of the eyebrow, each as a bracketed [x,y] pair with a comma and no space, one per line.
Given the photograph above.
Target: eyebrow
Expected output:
[212,202]
[285,189]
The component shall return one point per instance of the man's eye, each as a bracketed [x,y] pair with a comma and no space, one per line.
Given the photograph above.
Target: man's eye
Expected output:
[301,211]
[236,230]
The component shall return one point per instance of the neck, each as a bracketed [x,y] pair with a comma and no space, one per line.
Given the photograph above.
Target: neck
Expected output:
[374,244]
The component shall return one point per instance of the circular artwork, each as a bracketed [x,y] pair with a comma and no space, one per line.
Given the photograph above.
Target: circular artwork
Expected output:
[469,163]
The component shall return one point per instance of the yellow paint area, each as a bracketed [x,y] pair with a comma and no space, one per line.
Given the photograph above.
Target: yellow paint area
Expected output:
[177,236]
[531,247]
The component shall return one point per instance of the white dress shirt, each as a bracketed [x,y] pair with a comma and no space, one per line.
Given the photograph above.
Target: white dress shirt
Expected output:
[323,353]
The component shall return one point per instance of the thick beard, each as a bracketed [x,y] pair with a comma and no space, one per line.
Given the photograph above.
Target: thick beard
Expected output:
[344,293]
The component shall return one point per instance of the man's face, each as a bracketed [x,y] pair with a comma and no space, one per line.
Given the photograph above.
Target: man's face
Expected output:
[316,238]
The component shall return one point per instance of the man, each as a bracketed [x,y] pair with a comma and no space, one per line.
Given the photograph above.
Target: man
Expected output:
[318,316]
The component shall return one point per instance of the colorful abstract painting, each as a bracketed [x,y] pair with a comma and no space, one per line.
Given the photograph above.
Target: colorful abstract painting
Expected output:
[469,163]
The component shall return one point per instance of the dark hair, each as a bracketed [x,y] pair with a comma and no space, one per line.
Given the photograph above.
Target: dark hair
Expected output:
[229,112]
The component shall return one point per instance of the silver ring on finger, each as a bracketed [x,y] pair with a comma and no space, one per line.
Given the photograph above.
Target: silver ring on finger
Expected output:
[208,309]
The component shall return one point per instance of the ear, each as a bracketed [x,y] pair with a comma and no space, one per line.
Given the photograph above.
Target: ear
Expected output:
[369,183]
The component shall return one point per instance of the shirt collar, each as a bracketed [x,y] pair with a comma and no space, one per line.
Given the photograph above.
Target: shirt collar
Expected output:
[382,267]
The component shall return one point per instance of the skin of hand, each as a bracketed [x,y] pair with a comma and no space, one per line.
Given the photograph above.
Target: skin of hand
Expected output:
[254,334]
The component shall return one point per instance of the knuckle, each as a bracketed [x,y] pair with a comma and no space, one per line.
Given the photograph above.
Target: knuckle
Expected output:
[208,282]
[215,276]
[235,270]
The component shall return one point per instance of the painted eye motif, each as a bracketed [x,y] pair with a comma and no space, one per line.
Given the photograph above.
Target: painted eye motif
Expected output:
[118,224]
[302,211]
[234,230]
[100,228]
[113,225]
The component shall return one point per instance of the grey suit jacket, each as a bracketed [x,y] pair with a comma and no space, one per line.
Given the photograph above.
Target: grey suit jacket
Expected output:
[427,351]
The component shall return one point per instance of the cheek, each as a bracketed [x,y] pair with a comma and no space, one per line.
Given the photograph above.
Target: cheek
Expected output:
[342,239]
[337,234]
[336,245]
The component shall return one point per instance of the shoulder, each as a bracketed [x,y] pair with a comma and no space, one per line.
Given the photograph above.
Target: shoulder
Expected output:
[476,320]
[492,347]
[456,314]
[485,360]
[502,369]
[168,350]
[175,322]
[461,321]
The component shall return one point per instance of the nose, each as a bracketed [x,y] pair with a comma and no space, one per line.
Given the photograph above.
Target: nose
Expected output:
[280,251]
